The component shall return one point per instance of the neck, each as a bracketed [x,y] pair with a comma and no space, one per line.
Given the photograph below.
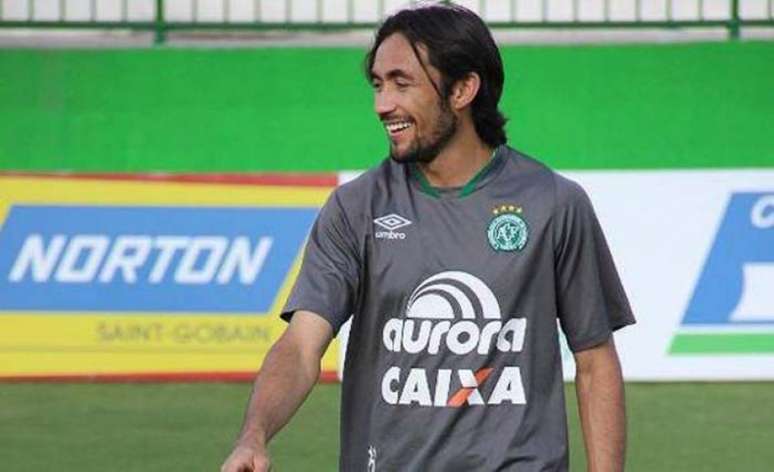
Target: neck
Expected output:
[459,161]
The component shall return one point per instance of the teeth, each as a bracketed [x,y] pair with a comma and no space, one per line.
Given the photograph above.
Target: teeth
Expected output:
[397,126]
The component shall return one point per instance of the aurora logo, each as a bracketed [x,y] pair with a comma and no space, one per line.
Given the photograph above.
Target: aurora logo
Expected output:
[445,297]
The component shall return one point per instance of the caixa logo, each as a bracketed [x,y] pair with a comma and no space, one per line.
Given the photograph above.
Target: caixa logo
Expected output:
[732,307]
[148,259]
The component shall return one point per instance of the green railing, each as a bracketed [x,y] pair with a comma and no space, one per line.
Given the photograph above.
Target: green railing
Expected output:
[573,14]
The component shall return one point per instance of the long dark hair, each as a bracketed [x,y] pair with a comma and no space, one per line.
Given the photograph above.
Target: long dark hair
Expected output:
[458,43]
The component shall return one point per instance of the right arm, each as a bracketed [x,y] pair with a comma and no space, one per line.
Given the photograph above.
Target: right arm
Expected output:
[290,370]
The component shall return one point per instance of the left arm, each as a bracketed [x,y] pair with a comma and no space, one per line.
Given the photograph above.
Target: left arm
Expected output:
[600,390]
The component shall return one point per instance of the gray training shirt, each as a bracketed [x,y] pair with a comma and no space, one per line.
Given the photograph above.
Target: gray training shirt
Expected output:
[453,361]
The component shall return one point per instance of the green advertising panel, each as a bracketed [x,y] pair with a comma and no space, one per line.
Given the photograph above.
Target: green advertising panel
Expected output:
[310,109]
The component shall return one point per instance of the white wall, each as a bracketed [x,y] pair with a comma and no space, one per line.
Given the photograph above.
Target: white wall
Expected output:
[365,10]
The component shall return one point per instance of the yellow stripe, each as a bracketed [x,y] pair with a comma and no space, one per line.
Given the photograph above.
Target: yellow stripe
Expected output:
[70,191]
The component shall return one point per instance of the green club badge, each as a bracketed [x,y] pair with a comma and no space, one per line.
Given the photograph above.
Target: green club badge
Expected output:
[507,231]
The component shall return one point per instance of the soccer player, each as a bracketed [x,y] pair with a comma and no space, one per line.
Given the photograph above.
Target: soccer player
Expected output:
[454,258]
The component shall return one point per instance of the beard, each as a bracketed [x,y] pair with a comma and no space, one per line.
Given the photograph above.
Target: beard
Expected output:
[425,151]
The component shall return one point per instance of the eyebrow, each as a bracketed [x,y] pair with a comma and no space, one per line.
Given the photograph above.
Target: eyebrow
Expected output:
[392,74]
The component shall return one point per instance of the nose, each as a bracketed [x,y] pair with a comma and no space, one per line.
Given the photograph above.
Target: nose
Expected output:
[383,103]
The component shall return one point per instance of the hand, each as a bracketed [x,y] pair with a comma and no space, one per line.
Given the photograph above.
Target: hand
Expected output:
[247,458]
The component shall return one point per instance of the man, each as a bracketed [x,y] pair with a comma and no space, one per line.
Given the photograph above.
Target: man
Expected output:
[455,258]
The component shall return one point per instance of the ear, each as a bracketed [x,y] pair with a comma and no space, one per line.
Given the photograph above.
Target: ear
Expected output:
[464,91]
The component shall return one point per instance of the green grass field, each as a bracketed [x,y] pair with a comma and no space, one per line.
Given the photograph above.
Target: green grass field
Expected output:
[189,427]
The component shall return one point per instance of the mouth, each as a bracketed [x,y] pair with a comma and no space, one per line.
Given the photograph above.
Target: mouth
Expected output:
[397,128]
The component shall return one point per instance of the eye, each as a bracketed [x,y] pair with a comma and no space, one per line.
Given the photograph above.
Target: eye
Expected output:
[402,85]
[376,85]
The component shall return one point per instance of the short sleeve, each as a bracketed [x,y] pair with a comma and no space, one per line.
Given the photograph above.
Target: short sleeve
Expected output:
[591,301]
[328,281]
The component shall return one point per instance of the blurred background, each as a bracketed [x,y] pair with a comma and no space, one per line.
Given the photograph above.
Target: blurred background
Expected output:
[161,163]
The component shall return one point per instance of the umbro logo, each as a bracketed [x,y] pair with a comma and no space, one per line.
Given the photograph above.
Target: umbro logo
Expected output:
[391,222]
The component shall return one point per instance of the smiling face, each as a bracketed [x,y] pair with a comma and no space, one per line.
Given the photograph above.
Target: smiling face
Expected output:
[418,122]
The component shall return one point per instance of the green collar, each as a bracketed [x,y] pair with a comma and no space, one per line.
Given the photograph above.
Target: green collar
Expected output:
[466,190]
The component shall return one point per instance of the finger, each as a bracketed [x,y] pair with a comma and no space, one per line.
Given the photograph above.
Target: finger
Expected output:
[261,464]
[231,465]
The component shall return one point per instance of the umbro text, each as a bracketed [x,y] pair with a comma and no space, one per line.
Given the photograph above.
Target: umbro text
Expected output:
[389,235]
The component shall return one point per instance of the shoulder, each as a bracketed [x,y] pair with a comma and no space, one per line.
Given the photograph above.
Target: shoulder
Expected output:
[360,190]
[352,199]
[364,182]
[569,193]
[554,187]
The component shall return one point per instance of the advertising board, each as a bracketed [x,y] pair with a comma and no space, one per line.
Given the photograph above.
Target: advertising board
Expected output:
[145,277]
